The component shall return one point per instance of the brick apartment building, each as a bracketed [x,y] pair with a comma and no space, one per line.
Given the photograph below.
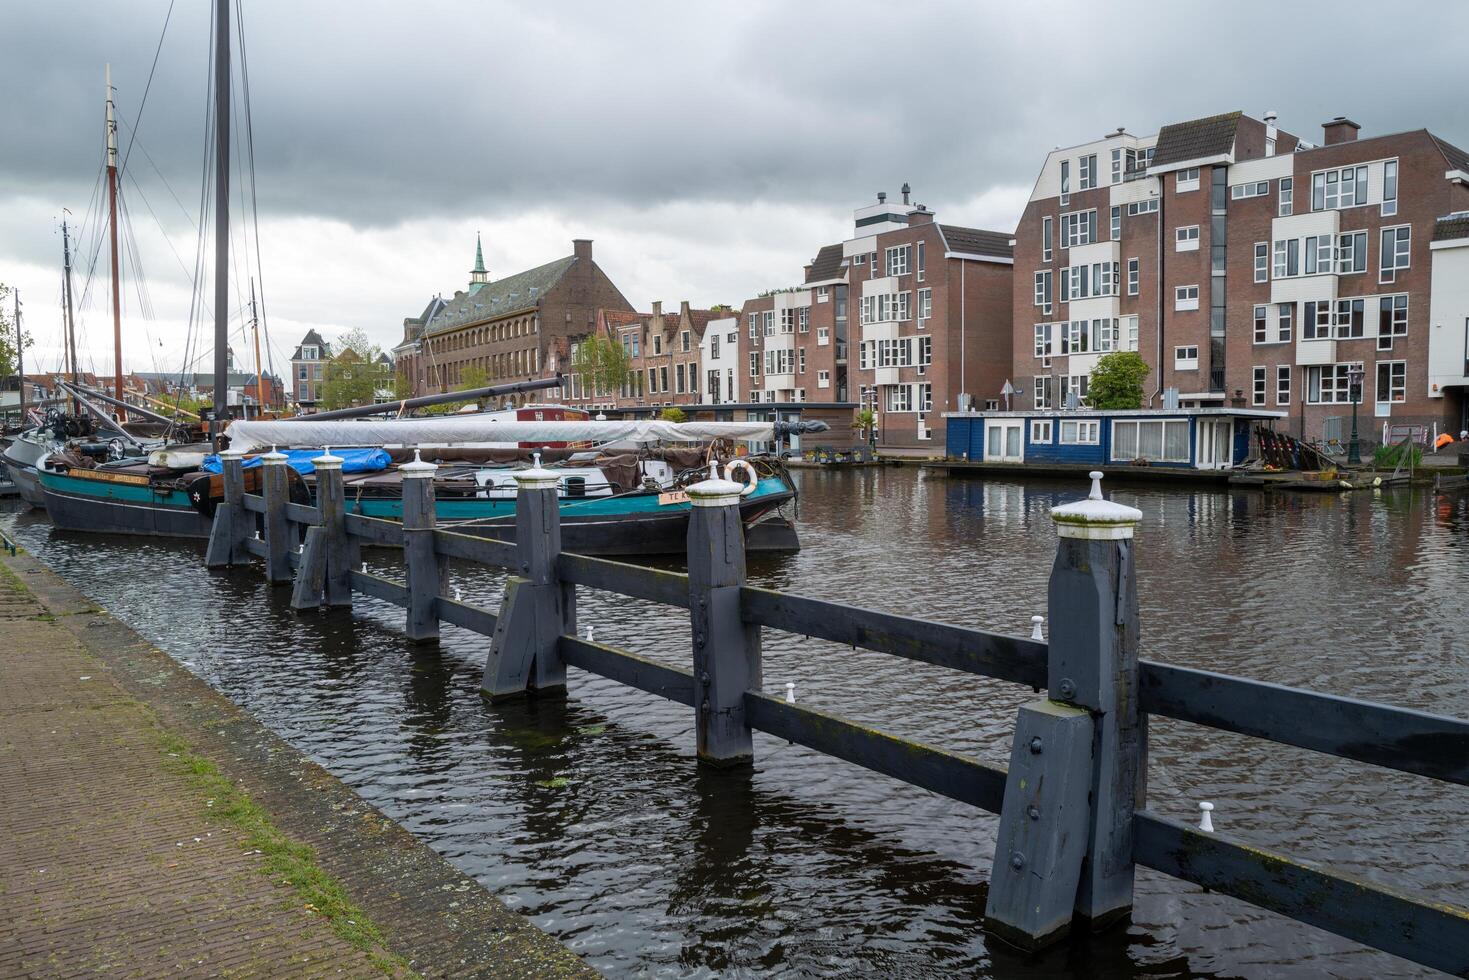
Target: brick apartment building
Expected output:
[308,369]
[904,317]
[1248,268]
[513,329]
[664,354]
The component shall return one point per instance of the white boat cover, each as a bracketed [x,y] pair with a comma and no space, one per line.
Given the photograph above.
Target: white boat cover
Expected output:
[254,435]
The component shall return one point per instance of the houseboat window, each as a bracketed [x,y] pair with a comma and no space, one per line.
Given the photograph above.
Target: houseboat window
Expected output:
[1163,440]
[1079,432]
[1040,430]
[576,486]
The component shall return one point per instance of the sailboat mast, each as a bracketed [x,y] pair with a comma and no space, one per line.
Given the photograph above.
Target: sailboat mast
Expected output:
[259,379]
[112,229]
[221,216]
[20,359]
[70,340]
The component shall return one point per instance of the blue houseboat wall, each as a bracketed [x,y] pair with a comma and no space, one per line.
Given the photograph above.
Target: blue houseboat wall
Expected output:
[1168,439]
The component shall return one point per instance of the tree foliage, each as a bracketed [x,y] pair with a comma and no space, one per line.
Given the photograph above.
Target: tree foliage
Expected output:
[672,414]
[354,379]
[603,364]
[1117,381]
[864,421]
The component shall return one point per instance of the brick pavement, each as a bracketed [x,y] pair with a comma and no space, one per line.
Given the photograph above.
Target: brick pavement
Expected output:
[111,860]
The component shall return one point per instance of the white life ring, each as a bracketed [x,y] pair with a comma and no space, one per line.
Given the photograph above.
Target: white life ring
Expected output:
[752,479]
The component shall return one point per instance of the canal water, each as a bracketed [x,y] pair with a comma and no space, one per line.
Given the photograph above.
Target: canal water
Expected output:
[590,816]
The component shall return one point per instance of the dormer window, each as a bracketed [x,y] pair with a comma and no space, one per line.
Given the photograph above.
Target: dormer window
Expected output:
[308,353]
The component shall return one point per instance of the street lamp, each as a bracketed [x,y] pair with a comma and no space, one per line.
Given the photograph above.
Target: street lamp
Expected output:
[1354,389]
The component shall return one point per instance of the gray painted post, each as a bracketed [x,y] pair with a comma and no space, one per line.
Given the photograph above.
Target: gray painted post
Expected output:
[1093,665]
[726,648]
[310,572]
[278,543]
[232,522]
[538,607]
[1043,825]
[426,570]
[343,553]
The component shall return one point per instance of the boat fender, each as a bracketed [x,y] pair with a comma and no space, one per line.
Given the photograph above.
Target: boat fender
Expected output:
[751,478]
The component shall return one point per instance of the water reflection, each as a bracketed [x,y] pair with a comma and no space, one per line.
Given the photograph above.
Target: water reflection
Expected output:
[588,814]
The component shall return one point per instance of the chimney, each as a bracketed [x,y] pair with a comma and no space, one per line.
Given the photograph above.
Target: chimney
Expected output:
[683,309]
[923,216]
[1339,130]
[582,248]
[906,191]
[806,272]
[658,309]
[882,197]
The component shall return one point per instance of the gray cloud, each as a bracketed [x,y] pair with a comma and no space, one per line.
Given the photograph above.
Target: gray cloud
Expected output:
[709,148]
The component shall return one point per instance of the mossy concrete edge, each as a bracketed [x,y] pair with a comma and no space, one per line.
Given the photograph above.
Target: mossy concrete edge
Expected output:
[437,918]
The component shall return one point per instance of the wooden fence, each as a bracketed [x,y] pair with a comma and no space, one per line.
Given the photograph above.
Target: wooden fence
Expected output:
[1074,820]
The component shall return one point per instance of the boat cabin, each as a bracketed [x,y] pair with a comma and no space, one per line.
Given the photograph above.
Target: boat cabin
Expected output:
[1184,438]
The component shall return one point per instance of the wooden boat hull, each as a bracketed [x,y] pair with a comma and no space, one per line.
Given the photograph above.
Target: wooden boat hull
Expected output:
[83,504]
[27,483]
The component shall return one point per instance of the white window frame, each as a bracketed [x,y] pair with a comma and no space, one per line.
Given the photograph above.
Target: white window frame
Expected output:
[1287,197]
[1116,232]
[1389,187]
[899,260]
[1048,239]
[1186,357]
[1186,238]
[1262,261]
[1260,378]
[1041,431]
[1080,432]
[1282,384]
[1079,228]
[1086,178]
[823,379]
[1397,390]
[1186,297]
[1186,181]
[1134,276]
[1402,248]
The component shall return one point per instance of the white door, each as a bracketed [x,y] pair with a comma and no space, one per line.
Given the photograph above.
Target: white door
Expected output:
[1004,441]
[1216,444]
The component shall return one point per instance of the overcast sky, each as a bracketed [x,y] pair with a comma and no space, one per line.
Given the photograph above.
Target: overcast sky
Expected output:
[709,150]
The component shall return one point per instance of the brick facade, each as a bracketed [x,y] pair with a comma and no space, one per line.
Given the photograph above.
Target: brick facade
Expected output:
[1254,183]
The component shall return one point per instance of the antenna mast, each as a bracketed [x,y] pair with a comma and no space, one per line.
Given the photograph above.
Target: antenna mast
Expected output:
[20,359]
[112,230]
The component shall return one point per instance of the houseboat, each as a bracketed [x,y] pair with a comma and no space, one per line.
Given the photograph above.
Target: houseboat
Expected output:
[1058,440]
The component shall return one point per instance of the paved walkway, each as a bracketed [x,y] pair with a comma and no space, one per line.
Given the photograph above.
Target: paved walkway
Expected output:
[113,857]
[110,859]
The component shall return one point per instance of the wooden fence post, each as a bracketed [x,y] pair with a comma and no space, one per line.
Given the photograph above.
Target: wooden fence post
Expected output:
[232,522]
[538,607]
[426,571]
[278,544]
[726,648]
[343,553]
[1057,853]
[1093,665]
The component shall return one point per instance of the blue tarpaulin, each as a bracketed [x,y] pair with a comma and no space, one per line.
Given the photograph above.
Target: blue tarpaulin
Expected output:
[353,460]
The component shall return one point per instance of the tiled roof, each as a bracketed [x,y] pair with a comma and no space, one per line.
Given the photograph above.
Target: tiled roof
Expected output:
[1457,158]
[1196,139]
[312,337]
[827,264]
[973,241]
[1451,226]
[517,292]
[621,318]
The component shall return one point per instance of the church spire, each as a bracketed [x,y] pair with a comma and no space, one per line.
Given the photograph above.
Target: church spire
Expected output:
[479,276]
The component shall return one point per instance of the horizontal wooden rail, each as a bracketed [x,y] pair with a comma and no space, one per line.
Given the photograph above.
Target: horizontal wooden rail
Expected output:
[255,546]
[302,513]
[638,581]
[958,777]
[1398,738]
[380,588]
[672,683]
[485,551]
[1431,933]
[1008,658]
[374,530]
[254,502]
[471,617]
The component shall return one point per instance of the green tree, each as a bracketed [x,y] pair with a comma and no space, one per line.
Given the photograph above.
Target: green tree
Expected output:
[352,379]
[1117,381]
[9,353]
[603,364]
[864,422]
[357,341]
[672,414]
[473,377]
